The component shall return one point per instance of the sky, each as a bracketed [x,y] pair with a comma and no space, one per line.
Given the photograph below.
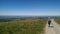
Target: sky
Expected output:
[30,7]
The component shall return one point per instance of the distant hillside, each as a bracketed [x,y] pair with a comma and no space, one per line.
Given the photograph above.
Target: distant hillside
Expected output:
[4,17]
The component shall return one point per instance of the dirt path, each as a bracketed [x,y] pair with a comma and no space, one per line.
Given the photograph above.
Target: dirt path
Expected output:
[49,30]
[54,29]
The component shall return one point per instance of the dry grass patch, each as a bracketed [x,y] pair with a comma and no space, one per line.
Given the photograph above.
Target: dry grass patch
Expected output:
[57,20]
[30,26]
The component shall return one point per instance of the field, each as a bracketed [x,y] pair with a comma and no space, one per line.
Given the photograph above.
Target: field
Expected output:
[57,20]
[24,26]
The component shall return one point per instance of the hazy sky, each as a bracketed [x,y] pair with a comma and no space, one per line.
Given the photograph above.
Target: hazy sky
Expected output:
[30,7]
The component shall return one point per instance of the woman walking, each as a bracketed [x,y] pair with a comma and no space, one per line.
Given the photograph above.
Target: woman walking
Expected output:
[49,22]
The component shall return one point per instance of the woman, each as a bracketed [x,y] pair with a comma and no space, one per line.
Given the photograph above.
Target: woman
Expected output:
[49,22]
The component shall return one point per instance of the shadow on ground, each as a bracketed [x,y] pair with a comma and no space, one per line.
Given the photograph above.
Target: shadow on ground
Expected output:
[51,26]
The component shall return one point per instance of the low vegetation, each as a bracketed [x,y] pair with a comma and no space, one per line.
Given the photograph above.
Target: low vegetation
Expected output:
[26,26]
[57,20]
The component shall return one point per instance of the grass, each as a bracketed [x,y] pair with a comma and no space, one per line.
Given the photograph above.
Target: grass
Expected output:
[27,26]
[57,20]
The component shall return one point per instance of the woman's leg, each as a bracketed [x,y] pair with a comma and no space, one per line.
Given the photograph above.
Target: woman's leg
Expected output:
[49,24]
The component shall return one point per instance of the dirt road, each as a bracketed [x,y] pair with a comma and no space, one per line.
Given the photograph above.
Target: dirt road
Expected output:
[54,29]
